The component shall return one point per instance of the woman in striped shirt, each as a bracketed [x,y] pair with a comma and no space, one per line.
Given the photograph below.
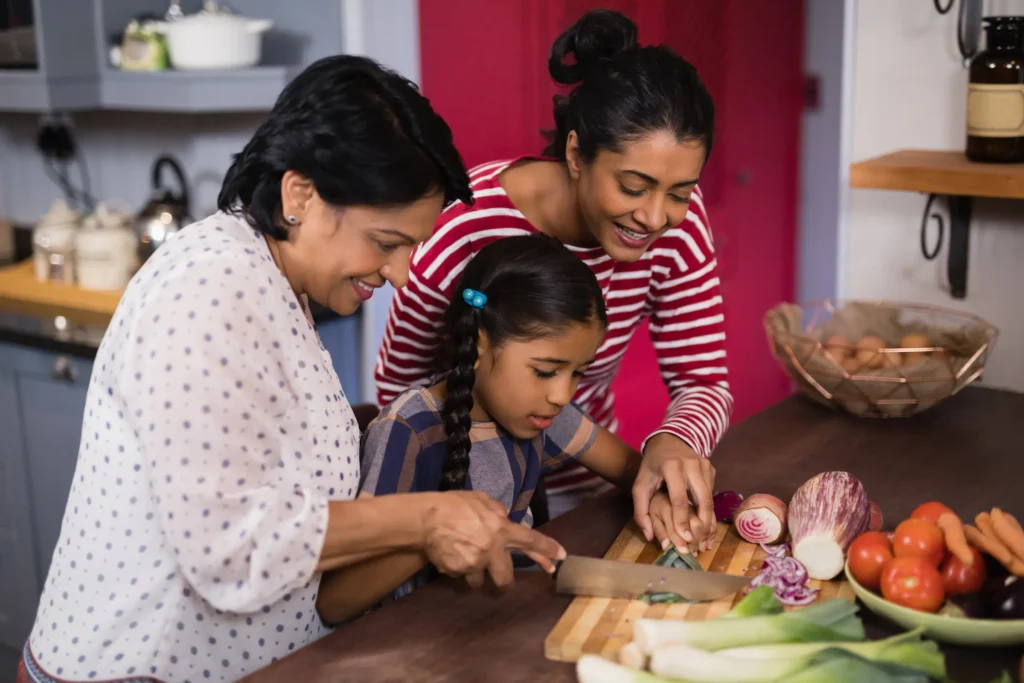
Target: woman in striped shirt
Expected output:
[618,185]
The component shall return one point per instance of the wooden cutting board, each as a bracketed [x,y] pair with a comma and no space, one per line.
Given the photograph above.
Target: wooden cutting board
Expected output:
[603,625]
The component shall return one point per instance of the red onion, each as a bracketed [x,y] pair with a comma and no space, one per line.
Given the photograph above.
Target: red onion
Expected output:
[761,518]
[788,578]
[726,503]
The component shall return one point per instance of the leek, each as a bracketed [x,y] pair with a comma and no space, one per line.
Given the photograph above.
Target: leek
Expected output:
[760,601]
[678,661]
[597,669]
[908,650]
[833,620]
[832,665]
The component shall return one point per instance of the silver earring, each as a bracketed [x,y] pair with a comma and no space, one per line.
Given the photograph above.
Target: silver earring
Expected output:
[292,219]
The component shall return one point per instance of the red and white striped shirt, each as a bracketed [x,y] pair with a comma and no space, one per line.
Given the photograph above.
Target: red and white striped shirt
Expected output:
[675,283]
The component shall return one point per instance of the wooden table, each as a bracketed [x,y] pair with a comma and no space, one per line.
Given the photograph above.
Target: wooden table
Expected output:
[967,452]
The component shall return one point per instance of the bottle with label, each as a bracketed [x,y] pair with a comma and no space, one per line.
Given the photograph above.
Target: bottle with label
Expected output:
[995,95]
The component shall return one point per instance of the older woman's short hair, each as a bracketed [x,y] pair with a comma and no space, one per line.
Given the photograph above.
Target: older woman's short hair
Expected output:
[362,133]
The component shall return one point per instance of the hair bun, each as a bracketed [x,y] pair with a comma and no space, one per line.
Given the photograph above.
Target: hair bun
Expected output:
[597,35]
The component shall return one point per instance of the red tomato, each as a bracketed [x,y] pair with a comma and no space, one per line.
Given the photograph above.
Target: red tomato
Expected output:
[959,578]
[913,582]
[867,556]
[919,538]
[929,511]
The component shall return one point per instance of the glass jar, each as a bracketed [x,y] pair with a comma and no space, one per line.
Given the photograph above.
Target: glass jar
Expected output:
[995,95]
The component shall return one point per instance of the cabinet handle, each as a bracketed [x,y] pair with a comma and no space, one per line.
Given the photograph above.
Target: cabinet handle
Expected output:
[64,369]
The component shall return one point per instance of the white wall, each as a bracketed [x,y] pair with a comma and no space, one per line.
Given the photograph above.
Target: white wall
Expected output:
[909,90]
[821,152]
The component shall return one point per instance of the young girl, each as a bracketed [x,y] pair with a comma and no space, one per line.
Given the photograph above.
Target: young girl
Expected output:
[525,327]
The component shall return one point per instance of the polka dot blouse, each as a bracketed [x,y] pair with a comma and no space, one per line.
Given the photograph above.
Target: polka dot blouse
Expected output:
[215,432]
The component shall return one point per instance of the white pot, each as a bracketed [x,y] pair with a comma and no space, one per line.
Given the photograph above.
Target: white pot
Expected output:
[214,41]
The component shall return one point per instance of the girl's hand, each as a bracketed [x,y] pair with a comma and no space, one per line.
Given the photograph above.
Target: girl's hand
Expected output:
[468,534]
[668,460]
[668,527]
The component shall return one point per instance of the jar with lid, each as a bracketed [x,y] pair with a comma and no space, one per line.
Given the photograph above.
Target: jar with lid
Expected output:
[53,242]
[105,256]
[995,95]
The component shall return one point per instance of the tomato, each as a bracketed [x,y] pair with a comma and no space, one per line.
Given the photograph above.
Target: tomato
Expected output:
[919,538]
[867,556]
[959,578]
[913,582]
[929,511]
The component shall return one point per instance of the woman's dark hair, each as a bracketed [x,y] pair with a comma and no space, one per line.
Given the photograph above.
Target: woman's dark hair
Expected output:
[624,91]
[534,286]
[360,132]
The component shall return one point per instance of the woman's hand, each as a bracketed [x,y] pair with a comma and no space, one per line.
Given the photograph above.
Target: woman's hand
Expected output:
[668,460]
[468,533]
[667,525]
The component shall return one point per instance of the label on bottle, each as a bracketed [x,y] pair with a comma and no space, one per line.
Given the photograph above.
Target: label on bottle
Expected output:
[995,111]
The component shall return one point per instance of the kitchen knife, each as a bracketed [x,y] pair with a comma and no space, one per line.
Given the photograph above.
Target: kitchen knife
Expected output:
[614,579]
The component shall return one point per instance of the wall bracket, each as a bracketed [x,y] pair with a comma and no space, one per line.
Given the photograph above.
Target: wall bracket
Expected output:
[959,239]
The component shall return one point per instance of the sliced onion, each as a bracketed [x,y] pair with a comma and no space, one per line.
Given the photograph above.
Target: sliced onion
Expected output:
[787,577]
[777,550]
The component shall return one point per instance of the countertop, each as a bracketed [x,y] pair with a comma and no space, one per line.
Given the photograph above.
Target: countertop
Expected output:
[966,452]
[64,318]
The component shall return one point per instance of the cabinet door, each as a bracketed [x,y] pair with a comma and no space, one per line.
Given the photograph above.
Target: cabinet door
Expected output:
[51,391]
[19,588]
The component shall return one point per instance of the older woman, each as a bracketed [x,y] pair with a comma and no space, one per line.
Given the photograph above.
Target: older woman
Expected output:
[219,459]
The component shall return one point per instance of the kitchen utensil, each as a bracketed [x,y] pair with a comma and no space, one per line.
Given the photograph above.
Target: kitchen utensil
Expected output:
[166,212]
[946,629]
[599,625]
[893,378]
[105,250]
[616,579]
[214,39]
[53,244]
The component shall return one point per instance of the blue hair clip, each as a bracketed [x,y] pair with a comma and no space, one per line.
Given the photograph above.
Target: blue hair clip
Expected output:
[474,298]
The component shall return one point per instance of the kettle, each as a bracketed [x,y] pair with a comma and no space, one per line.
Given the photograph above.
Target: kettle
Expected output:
[166,212]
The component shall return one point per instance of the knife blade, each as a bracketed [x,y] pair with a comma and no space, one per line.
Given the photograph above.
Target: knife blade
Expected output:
[616,579]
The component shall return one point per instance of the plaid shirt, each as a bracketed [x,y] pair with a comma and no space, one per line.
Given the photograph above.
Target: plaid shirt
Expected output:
[404,451]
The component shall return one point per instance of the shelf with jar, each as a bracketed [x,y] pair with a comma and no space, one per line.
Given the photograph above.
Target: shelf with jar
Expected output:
[991,163]
[185,56]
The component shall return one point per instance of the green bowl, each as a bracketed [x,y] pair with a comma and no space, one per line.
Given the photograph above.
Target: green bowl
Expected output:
[944,628]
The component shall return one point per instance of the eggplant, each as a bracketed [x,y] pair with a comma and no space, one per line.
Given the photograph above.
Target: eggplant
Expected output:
[1003,598]
[965,606]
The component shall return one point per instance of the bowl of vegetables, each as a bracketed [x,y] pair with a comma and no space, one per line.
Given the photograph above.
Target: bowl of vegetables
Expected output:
[961,583]
[875,358]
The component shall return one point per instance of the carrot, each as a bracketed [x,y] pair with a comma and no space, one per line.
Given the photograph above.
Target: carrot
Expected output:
[988,544]
[1012,520]
[953,533]
[1012,538]
[984,522]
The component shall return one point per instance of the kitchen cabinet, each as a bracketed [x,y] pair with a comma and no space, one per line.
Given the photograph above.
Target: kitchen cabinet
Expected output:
[73,71]
[42,397]
[19,582]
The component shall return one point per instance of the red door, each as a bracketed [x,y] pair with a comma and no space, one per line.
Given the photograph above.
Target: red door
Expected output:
[484,66]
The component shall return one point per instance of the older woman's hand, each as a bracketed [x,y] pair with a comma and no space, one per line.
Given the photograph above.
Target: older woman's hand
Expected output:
[468,533]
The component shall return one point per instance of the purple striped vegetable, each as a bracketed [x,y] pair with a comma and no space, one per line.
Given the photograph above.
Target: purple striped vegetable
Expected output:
[826,513]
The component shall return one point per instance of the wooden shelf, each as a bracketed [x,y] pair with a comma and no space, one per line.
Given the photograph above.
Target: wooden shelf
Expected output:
[20,292]
[938,172]
[234,90]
